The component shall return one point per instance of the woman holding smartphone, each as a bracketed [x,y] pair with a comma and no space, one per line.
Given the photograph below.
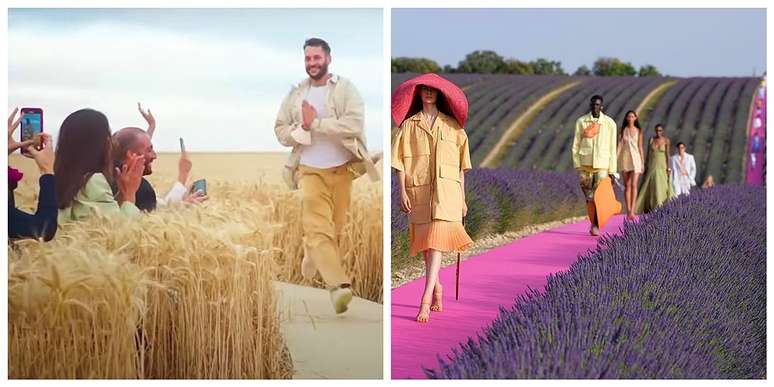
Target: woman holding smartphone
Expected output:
[430,155]
[41,224]
[84,169]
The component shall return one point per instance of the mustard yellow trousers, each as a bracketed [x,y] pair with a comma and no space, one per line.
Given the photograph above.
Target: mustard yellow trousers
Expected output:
[325,202]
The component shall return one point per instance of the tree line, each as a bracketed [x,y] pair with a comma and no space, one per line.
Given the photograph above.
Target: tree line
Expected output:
[489,62]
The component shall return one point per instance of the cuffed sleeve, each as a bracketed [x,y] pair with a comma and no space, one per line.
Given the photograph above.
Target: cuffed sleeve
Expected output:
[283,125]
[613,163]
[576,143]
[396,161]
[175,194]
[465,163]
[301,136]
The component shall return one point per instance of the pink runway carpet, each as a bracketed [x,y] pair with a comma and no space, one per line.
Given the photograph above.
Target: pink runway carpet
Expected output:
[487,281]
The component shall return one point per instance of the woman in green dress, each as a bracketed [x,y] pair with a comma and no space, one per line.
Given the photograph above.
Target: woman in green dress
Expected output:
[655,188]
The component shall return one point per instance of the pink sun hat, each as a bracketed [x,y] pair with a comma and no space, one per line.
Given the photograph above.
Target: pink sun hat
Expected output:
[404,95]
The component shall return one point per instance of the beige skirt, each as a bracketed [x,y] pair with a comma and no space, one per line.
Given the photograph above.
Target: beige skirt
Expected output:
[438,235]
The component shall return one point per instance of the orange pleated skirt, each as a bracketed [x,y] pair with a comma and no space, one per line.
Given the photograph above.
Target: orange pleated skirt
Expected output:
[438,235]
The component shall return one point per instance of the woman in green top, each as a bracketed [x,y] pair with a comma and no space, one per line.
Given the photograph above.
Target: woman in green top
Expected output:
[84,169]
[655,188]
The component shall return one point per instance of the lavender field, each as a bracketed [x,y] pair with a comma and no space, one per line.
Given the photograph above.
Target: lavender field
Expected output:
[501,200]
[682,294]
[708,114]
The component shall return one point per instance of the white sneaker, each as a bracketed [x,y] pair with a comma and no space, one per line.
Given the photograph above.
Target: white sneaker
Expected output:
[308,269]
[341,296]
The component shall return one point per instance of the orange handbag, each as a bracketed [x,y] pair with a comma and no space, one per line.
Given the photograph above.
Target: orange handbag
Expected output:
[605,201]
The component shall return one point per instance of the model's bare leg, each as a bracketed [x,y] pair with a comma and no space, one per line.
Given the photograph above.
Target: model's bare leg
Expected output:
[629,193]
[432,267]
[635,178]
[437,304]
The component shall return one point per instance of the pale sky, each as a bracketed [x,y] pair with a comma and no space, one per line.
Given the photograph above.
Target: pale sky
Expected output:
[679,42]
[215,77]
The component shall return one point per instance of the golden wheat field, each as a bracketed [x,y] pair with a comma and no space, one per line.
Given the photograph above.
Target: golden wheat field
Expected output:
[183,292]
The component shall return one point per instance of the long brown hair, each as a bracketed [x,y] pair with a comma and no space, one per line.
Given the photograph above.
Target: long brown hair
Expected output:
[625,124]
[83,149]
[440,102]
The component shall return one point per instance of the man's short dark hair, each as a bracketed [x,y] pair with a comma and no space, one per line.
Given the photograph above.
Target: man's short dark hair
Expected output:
[317,42]
[659,126]
[597,97]
[679,143]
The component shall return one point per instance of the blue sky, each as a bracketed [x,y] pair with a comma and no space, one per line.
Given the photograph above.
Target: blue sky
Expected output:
[213,76]
[680,42]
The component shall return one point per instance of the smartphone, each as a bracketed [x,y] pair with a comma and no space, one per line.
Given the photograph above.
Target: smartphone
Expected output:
[31,126]
[182,145]
[199,185]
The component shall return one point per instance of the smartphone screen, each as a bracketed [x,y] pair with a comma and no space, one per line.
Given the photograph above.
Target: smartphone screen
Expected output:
[199,185]
[182,145]
[31,124]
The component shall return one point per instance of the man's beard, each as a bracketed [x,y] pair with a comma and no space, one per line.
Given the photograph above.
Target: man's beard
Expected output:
[320,74]
[148,170]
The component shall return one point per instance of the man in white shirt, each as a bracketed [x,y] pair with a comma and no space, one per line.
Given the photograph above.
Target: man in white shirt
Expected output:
[322,119]
[683,171]
[139,141]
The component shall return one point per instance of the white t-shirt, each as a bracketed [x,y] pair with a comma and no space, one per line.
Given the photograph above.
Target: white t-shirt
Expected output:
[324,152]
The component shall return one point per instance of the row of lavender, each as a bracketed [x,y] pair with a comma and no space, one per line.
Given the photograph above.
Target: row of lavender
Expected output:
[682,295]
[501,200]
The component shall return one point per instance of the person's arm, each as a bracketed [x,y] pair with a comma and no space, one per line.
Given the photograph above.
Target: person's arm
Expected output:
[397,164]
[666,152]
[148,116]
[98,197]
[642,151]
[576,143]
[178,190]
[349,124]
[612,167]
[43,223]
[175,194]
[465,165]
[288,132]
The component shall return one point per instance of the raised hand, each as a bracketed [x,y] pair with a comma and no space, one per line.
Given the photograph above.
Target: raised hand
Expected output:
[308,114]
[129,177]
[13,123]
[195,198]
[148,116]
[184,166]
[43,158]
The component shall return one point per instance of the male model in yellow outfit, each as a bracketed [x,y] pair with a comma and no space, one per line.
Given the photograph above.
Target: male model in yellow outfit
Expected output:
[322,119]
[594,153]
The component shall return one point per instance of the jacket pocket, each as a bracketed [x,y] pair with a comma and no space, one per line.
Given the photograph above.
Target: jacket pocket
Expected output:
[448,149]
[417,170]
[449,187]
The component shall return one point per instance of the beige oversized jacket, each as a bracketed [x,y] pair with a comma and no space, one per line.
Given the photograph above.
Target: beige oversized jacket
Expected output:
[345,123]
[601,148]
[432,167]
